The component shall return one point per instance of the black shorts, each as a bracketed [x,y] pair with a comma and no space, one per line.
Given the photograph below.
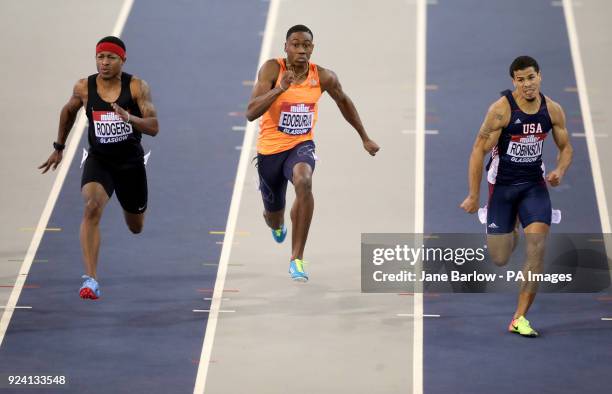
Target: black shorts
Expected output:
[529,201]
[276,169]
[130,182]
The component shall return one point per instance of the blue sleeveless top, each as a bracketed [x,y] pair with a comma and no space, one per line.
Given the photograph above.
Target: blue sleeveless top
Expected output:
[517,158]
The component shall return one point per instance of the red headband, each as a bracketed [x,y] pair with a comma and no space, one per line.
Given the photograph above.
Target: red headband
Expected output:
[110,47]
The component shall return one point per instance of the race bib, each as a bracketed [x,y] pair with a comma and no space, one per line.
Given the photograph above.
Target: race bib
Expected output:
[525,149]
[109,128]
[296,119]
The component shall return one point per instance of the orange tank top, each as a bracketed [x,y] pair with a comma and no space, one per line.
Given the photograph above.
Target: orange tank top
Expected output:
[292,116]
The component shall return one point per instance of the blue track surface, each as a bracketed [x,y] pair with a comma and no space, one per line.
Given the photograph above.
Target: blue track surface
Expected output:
[468,350]
[142,335]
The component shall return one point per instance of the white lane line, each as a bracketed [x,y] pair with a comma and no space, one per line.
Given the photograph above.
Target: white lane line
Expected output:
[583,135]
[52,229]
[228,241]
[585,109]
[15,307]
[606,318]
[69,153]
[414,315]
[427,132]
[560,3]
[419,198]
[208,311]
[210,299]
[241,233]
[238,128]
[124,12]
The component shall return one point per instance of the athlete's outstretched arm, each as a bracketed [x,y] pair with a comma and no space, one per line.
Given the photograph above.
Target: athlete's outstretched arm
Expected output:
[142,94]
[487,138]
[331,84]
[67,118]
[264,91]
[561,136]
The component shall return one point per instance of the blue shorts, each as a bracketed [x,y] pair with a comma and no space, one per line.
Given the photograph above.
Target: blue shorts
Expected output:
[529,201]
[276,169]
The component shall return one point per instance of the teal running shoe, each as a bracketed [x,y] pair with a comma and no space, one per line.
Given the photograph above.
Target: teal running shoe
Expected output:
[280,234]
[296,271]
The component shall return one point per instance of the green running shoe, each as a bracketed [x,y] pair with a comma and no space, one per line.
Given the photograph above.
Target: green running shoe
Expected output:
[521,326]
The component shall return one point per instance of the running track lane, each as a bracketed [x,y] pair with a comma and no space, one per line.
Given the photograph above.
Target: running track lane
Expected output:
[142,335]
[467,350]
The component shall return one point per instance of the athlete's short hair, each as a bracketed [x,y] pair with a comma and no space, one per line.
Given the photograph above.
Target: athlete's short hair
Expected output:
[523,62]
[114,40]
[299,28]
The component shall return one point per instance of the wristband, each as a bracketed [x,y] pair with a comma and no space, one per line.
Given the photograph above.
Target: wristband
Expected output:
[58,147]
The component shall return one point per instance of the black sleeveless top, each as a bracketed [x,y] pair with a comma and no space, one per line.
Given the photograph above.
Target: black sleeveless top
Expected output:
[110,138]
[517,158]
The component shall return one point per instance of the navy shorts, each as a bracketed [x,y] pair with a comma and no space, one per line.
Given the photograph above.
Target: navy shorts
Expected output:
[529,201]
[276,169]
[129,182]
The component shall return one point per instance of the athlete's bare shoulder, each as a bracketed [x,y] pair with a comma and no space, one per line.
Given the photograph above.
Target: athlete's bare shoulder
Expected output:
[326,73]
[269,70]
[80,88]
[499,111]
[501,106]
[328,79]
[555,110]
[138,86]
[498,117]
[272,64]
[141,93]
[79,94]
[323,70]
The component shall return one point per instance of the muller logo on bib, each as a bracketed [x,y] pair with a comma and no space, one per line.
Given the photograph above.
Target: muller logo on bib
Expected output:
[296,118]
[525,149]
[110,128]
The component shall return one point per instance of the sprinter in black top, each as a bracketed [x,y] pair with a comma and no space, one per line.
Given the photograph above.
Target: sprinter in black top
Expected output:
[119,109]
[515,128]
[110,137]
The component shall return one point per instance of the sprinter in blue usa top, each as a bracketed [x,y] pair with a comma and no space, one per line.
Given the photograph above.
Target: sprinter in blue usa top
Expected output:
[514,131]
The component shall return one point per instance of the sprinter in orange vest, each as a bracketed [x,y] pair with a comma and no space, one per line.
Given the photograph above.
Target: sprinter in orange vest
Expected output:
[286,94]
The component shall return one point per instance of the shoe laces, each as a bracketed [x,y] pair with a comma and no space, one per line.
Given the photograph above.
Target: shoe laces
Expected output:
[89,279]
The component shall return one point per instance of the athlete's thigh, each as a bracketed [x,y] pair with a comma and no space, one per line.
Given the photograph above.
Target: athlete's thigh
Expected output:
[94,195]
[534,208]
[502,209]
[131,187]
[134,220]
[272,183]
[304,152]
[96,180]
